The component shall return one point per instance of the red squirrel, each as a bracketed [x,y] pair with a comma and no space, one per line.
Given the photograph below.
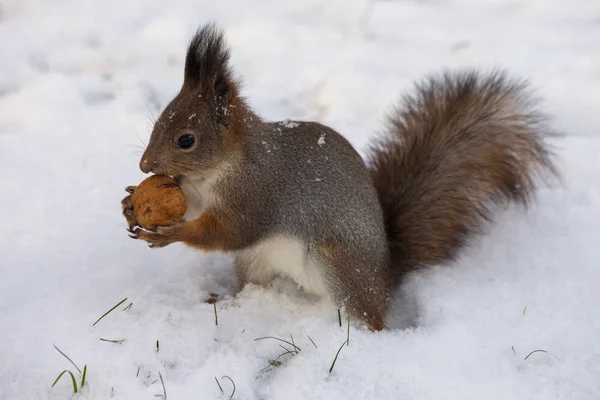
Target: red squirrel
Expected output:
[294,198]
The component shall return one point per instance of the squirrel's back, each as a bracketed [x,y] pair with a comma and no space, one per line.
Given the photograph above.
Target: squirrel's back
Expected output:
[462,143]
[311,181]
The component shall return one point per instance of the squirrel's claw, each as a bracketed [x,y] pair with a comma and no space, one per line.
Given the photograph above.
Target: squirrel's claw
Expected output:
[131,221]
[154,239]
[127,207]
[130,189]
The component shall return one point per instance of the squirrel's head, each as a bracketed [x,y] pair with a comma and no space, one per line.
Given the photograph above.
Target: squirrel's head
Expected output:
[203,125]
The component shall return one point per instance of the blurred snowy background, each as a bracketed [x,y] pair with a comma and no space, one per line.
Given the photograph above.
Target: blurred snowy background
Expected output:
[80,84]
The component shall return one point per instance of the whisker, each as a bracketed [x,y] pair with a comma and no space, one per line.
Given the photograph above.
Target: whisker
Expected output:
[182,166]
[141,141]
[137,146]
[191,185]
[186,167]
[153,119]
[144,145]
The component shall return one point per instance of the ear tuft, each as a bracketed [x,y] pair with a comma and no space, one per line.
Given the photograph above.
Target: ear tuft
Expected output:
[207,62]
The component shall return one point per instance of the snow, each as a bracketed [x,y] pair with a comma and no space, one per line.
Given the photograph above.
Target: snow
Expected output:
[81,83]
[289,124]
[321,140]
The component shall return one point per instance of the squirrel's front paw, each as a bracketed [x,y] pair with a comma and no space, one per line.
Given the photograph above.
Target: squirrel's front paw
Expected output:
[154,239]
[127,207]
[163,236]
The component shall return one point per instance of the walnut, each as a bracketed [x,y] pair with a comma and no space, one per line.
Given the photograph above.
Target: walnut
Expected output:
[158,201]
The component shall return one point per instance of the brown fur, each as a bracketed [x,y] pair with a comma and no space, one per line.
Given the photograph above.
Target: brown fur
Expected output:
[460,144]
[368,301]
[210,233]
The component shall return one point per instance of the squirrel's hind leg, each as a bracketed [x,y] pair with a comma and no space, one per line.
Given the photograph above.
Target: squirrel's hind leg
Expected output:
[356,283]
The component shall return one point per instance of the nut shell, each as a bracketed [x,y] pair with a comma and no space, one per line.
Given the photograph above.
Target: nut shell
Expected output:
[158,201]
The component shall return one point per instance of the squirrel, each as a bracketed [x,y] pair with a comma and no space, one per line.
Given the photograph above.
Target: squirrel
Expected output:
[295,199]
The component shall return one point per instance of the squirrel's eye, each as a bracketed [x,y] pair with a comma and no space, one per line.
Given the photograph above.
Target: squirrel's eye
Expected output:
[186,141]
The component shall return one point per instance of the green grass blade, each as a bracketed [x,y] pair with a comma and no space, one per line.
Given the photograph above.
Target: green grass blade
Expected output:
[72,379]
[216,316]
[109,311]
[58,377]
[83,377]
[117,341]
[348,339]
[339,318]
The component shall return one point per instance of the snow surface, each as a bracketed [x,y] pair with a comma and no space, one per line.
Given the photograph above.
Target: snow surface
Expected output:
[82,80]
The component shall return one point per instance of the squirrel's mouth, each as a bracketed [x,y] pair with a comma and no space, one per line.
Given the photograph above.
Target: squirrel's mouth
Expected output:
[178,178]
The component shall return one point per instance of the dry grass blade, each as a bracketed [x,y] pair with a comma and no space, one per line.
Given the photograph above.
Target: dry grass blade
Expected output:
[233,383]
[535,351]
[67,357]
[336,356]
[281,340]
[163,386]
[220,388]
[293,344]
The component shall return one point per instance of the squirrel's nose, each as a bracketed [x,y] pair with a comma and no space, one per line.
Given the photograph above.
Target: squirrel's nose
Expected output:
[146,165]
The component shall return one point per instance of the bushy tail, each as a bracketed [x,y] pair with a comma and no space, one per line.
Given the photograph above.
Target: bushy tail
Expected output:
[460,144]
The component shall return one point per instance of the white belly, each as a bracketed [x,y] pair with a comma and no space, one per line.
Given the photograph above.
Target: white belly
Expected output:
[287,257]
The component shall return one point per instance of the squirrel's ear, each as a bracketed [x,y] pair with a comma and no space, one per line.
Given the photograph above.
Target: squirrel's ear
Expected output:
[207,65]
